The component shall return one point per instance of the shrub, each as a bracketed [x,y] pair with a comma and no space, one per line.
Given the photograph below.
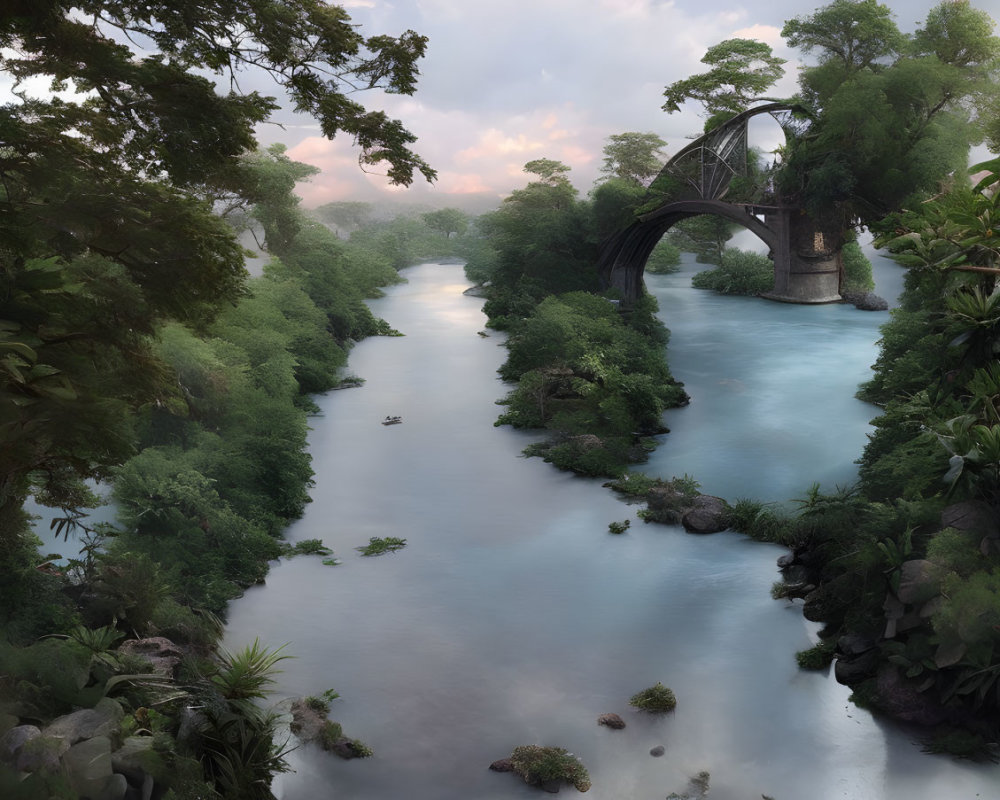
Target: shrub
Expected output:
[377,546]
[739,272]
[818,656]
[538,765]
[657,699]
[619,527]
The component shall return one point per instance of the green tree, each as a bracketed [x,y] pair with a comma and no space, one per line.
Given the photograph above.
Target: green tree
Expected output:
[633,157]
[853,34]
[741,70]
[447,221]
[108,190]
[345,215]
[892,114]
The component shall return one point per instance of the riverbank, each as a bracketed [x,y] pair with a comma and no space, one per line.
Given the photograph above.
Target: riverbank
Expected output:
[513,616]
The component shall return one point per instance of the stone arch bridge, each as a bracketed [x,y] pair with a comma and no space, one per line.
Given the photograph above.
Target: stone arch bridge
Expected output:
[807,261]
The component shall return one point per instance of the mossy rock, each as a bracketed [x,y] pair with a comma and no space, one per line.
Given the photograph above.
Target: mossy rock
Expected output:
[545,766]
[657,699]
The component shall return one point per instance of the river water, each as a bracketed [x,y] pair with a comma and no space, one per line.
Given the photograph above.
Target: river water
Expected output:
[513,617]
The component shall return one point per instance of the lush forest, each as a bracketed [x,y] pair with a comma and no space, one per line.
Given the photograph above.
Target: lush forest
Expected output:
[137,352]
[903,568]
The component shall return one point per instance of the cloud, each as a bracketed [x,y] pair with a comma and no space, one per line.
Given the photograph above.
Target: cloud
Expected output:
[506,81]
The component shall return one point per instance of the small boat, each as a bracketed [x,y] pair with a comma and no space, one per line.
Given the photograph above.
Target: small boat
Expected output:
[392,421]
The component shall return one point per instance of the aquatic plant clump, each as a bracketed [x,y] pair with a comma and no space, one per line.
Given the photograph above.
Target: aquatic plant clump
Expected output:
[657,699]
[377,545]
[540,765]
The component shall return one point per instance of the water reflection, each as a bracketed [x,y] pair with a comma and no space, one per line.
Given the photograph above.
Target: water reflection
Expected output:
[514,617]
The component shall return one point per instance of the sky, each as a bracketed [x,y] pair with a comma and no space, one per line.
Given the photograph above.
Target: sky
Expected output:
[508,81]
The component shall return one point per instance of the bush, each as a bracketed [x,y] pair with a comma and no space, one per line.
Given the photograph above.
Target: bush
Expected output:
[857,270]
[657,699]
[538,765]
[377,546]
[619,527]
[818,656]
[665,258]
[739,272]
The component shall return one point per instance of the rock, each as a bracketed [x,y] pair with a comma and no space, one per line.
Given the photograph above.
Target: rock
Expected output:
[707,515]
[307,722]
[971,515]
[41,754]
[851,670]
[135,758]
[7,722]
[786,560]
[502,765]
[101,720]
[552,787]
[854,644]
[612,721]
[14,739]
[900,698]
[345,748]
[865,301]
[657,751]
[164,656]
[88,767]
[919,581]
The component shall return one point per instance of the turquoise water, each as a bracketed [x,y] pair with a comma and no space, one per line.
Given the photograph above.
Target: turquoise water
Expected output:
[513,617]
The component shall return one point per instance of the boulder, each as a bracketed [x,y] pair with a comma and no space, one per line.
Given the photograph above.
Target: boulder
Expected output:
[14,739]
[612,721]
[865,301]
[41,754]
[163,654]
[502,765]
[919,581]
[899,697]
[136,758]
[849,671]
[307,722]
[88,767]
[854,644]
[86,723]
[708,514]
[971,515]
[7,722]
[657,751]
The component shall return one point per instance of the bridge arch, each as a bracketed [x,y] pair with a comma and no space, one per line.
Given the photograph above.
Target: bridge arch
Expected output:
[807,263]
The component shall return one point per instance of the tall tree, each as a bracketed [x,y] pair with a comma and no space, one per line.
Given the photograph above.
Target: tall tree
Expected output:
[107,191]
[741,70]
[633,157]
[447,221]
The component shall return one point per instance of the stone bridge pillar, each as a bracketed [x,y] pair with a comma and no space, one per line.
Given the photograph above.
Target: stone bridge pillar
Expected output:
[807,260]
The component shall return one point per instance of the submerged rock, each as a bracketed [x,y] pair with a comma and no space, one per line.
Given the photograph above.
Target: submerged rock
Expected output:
[708,514]
[612,721]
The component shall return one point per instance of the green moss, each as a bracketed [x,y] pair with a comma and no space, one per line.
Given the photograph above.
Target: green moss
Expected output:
[657,699]
[817,657]
[539,765]
[378,546]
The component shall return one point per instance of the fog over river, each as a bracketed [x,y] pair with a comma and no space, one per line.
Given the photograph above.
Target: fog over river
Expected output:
[513,617]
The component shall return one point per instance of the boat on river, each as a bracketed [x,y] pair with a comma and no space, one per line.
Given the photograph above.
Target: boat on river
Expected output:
[392,421]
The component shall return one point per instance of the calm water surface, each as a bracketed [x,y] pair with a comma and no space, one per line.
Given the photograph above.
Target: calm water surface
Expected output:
[513,616]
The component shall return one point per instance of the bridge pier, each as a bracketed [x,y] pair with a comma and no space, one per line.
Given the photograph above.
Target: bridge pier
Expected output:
[808,267]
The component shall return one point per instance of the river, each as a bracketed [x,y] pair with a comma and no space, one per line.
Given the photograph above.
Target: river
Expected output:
[513,617]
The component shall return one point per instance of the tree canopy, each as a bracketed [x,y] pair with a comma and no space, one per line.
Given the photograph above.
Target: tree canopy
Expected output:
[634,157]
[741,70]
[109,184]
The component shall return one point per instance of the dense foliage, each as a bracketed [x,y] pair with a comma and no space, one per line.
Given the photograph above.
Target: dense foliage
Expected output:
[593,375]
[134,346]
[907,564]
